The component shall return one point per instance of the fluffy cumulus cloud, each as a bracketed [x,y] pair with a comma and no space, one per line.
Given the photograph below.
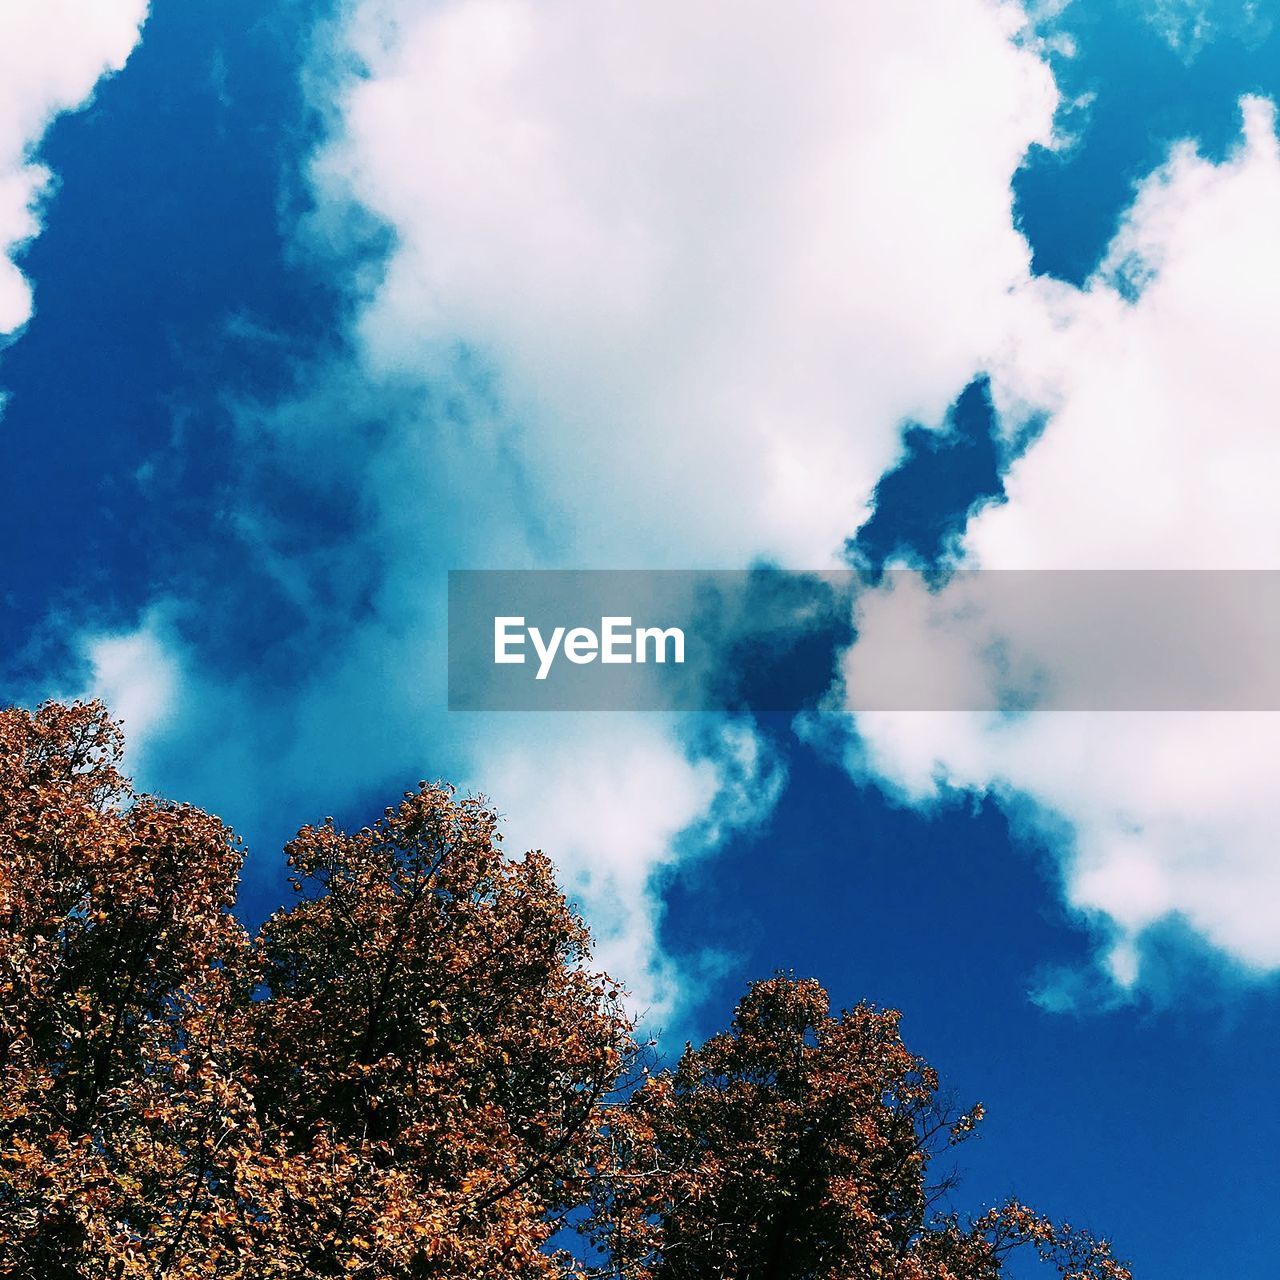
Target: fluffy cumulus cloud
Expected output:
[661,284]
[1161,381]
[712,261]
[52,54]
[1160,449]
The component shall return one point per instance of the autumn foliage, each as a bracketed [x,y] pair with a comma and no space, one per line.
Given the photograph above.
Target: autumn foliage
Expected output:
[799,1144]
[413,1072]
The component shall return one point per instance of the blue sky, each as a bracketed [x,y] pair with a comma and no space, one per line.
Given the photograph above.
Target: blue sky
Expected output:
[330,300]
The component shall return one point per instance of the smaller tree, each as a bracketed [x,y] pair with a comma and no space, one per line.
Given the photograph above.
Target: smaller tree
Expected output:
[799,1146]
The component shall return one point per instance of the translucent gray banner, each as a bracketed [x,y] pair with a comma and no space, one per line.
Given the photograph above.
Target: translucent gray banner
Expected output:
[774,640]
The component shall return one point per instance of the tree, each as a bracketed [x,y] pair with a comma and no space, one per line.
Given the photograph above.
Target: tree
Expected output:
[411,1072]
[798,1146]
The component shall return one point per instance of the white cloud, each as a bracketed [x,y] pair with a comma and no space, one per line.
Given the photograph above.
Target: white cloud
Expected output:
[1169,813]
[52,54]
[713,259]
[1161,451]
[138,676]
[1188,25]
[617,803]
[1163,445]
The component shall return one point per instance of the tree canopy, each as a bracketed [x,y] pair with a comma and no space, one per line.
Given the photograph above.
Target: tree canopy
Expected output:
[412,1071]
